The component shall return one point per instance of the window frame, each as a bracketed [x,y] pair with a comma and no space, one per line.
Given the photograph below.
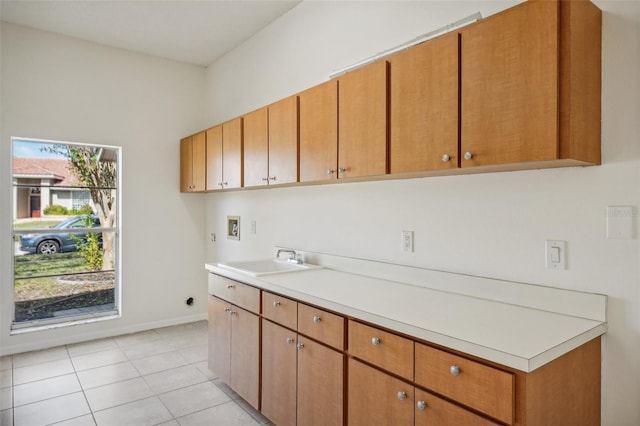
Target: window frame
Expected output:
[85,318]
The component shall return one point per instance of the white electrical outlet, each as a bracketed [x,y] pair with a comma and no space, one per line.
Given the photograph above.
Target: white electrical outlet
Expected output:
[407,241]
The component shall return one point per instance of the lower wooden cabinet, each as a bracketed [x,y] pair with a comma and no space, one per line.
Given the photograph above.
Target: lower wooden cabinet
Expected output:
[302,380]
[431,410]
[380,377]
[279,369]
[234,353]
[377,398]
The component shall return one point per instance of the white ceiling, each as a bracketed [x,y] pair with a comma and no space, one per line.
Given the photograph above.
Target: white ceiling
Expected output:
[193,31]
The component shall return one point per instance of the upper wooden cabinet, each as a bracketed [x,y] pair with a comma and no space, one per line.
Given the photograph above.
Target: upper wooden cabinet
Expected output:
[319,132]
[193,163]
[256,148]
[423,110]
[271,144]
[224,155]
[362,118]
[283,141]
[520,89]
[531,85]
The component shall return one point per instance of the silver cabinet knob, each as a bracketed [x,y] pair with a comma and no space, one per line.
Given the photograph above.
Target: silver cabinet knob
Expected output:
[276,303]
[317,319]
[341,170]
[330,171]
[454,370]
[224,183]
[273,178]
[227,309]
[300,346]
[402,395]
[231,286]
[265,179]
[375,341]
[233,312]
[421,405]
[468,155]
[446,158]
[290,340]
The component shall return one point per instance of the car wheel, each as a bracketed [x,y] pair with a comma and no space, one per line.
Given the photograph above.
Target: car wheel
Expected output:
[48,247]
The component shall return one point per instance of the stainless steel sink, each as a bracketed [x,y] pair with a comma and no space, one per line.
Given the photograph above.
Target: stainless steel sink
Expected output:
[257,268]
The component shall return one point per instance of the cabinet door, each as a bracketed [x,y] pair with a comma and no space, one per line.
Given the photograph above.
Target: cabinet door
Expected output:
[279,374]
[245,355]
[376,398]
[320,384]
[256,148]
[283,141]
[193,166]
[214,158]
[510,86]
[424,106]
[232,153]
[362,112]
[199,161]
[319,133]
[186,174]
[431,410]
[219,338]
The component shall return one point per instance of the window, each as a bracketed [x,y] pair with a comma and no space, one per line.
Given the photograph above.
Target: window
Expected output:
[66,230]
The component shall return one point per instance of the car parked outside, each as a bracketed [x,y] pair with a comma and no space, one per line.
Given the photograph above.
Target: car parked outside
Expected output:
[57,242]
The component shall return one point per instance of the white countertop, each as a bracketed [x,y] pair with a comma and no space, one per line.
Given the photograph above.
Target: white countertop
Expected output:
[513,334]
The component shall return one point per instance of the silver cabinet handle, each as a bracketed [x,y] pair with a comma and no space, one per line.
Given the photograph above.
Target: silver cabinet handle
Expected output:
[421,405]
[290,340]
[341,170]
[468,155]
[300,346]
[454,370]
[330,171]
[272,178]
[265,179]
[446,158]
[317,319]
[402,395]
[375,341]
[227,309]
[224,183]
[231,286]
[233,312]
[276,303]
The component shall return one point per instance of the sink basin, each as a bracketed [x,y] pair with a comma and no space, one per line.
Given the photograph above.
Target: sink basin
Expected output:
[257,268]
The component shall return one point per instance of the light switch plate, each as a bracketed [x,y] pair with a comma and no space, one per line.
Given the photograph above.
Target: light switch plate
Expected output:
[407,241]
[620,222]
[555,254]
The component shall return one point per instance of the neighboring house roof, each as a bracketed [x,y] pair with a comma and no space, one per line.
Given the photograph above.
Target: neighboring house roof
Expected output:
[44,168]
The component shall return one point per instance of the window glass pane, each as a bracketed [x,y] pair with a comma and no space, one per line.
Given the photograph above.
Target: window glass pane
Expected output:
[65,230]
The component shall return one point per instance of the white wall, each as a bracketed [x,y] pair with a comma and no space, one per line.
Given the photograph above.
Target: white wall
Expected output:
[60,88]
[490,225]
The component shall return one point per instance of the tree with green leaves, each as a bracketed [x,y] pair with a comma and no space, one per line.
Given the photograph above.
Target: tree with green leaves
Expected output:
[99,176]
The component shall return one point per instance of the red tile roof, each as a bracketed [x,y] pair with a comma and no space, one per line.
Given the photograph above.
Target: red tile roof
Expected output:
[43,168]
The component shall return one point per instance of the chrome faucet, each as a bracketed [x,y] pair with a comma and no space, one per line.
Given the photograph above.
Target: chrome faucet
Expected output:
[293,256]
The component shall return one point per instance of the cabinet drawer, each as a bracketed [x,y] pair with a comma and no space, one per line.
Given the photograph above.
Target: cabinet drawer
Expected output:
[431,410]
[239,294]
[321,325]
[479,386]
[383,349]
[280,309]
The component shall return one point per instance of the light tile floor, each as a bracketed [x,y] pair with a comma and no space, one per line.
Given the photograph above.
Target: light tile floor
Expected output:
[156,377]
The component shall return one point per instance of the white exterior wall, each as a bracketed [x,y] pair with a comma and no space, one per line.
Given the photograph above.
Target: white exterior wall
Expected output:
[60,88]
[491,225]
